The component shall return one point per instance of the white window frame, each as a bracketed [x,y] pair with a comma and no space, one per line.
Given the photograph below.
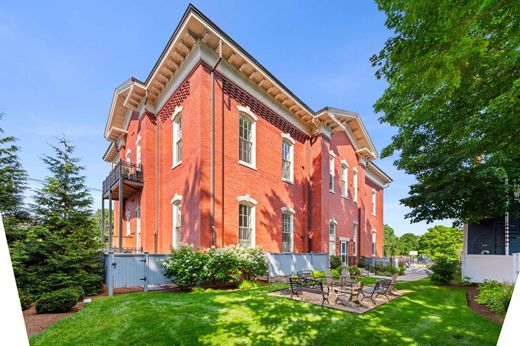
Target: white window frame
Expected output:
[252,118]
[332,236]
[177,137]
[128,219]
[288,212]
[374,201]
[138,227]
[331,171]
[343,245]
[128,156]
[374,242]
[176,221]
[355,238]
[250,203]
[355,183]
[288,140]
[344,178]
[138,152]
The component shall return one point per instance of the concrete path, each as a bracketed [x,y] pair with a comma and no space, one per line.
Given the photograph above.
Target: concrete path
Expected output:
[411,274]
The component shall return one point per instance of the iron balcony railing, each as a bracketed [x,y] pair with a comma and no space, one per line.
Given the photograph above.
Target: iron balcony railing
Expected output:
[123,170]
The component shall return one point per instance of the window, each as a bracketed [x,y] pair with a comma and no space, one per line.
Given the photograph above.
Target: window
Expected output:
[128,229]
[354,239]
[344,179]
[343,251]
[332,237]
[138,152]
[373,243]
[287,158]
[128,156]
[244,225]
[246,145]
[176,221]
[138,227]
[374,202]
[287,231]
[177,138]
[355,184]
[331,172]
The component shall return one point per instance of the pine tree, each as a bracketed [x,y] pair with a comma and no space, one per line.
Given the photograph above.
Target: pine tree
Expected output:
[12,186]
[63,250]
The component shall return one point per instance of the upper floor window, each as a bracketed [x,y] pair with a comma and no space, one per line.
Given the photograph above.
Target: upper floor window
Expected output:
[138,151]
[128,156]
[344,179]
[355,184]
[287,230]
[287,158]
[374,195]
[331,171]
[177,136]
[247,137]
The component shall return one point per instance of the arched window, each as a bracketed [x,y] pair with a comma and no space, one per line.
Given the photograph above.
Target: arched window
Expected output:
[287,158]
[247,137]
[246,221]
[344,178]
[373,243]
[287,229]
[332,237]
[176,221]
[374,195]
[177,136]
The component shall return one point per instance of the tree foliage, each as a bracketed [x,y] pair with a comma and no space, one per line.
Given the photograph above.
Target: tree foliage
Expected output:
[391,242]
[453,72]
[441,241]
[408,242]
[62,250]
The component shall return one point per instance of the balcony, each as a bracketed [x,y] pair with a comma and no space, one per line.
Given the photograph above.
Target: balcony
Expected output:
[123,181]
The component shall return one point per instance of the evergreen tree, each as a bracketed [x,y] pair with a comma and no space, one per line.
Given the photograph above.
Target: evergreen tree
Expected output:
[63,250]
[12,186]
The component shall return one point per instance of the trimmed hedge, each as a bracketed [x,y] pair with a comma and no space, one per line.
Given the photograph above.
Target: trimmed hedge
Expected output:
[25,300]
[61,300]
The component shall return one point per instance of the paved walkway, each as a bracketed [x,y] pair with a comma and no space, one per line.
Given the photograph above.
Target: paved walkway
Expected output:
[411,274]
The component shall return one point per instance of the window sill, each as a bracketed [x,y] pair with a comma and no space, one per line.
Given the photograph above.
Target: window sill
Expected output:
[248,165]
[177,164]
[288,181]
[345,196]
[332,191]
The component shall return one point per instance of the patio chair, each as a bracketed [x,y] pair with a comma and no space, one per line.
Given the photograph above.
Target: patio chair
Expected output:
[373,291]
[309,285]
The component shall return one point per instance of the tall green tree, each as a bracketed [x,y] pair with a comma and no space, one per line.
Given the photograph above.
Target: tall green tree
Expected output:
[453,72]
[63,249]
[391,242]
[13,179]
[441,241]
[408,242]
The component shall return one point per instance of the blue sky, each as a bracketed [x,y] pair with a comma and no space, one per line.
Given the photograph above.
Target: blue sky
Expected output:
[61,61]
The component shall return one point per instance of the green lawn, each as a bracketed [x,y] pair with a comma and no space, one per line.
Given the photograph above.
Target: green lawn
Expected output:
[430,315]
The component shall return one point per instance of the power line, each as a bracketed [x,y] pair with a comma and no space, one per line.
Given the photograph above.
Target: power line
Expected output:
[44,182]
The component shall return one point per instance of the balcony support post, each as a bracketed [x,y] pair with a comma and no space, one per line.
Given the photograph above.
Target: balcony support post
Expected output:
[120,201]
[110,228]
[102,220]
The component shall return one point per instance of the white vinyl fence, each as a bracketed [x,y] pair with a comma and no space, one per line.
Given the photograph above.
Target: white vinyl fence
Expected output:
[284,264]
[491,267]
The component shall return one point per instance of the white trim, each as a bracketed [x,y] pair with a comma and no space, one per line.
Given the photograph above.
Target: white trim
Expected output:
[247,199]
[248,165]
[246,110]
[128,219]
[176,210]
[178,109]
[177,199]
[344,239]
[332,171]
[287,137]
[374,202]
[138,140]
[355,183]
[331,153]
[333,220]
[290,142]
[344,179]
[288,209]
[355,231]
[374,179]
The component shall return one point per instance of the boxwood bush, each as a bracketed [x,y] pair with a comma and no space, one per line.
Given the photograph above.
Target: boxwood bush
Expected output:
[61,300]
[335,262]
[443,270]
[495,295]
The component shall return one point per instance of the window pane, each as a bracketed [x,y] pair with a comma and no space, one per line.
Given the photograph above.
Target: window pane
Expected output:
[244,229]
[245,140]
[286,160]
[287,230]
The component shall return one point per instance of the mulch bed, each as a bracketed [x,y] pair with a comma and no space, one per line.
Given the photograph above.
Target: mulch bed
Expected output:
[471,293]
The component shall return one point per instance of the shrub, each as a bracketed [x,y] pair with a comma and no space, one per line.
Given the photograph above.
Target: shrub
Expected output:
[222,265]
[495,295]
[79,291]
[317,274]
[25,300]
[335,262]
[186,267]
[251,262]
[401,269]
[354,270]
[61,300]
[247,285]
[443,270]
[335,272]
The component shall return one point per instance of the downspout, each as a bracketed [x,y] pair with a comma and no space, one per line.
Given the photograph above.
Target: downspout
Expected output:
[212,149]
[156,233]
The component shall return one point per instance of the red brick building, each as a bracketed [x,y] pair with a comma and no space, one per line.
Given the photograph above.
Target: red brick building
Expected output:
[213,150]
